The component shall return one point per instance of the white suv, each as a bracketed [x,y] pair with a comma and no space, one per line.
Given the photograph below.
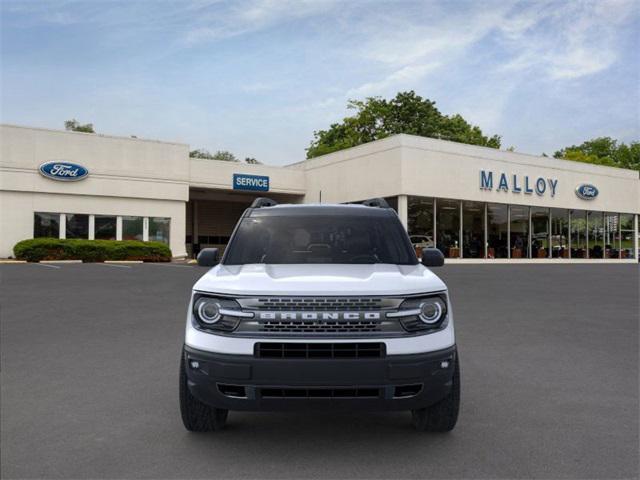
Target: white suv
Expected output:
[319,307]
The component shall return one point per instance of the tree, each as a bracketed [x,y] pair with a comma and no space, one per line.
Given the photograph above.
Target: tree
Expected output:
[252,161]
[219,155]
[377,118]
[604,151]
[75,126]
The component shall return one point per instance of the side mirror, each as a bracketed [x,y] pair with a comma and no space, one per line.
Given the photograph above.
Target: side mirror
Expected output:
[208,257]
[432,257]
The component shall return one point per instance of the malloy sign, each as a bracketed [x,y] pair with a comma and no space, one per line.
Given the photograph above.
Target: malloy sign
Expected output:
[514,183]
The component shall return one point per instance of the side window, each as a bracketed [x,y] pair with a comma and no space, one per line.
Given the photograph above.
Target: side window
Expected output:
[77,226]
[105,227]
[46,225]
[159,229]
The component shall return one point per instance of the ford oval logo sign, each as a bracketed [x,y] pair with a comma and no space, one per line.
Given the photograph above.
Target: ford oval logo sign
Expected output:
[586,191]
[64,171]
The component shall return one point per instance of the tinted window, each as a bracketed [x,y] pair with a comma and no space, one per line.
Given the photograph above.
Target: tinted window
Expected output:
[320,239]
[46,225]
[77,226]
[105,227]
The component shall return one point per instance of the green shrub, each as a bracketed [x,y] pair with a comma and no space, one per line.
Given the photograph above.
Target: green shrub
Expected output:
[36,249]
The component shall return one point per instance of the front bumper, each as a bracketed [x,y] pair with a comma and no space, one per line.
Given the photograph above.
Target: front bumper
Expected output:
[244,382]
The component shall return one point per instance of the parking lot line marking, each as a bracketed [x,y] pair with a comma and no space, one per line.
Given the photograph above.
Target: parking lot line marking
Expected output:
[113,265]
[170,265]
[47,265]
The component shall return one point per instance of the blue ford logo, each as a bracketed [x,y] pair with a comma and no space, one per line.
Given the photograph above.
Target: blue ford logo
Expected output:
[586,191]
[64,171]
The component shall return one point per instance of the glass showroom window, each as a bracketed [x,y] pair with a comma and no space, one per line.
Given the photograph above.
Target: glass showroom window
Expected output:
[448,227]
[420,222]
[159,229]
[627,233]
[559,233]
[132,228]
[519,231]
[105,227]
[46,225]
[578,234]
[77,226]
[596,235]
[497,231]
[611,235]
[472,230]
[539,232]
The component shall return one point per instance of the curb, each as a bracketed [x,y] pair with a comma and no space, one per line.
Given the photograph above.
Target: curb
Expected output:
[9,262]
[123,261]
[60,261]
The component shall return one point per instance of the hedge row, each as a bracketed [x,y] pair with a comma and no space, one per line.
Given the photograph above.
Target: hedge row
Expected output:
[37,249]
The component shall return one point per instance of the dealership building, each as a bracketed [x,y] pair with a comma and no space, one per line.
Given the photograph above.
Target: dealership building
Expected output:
[471,202]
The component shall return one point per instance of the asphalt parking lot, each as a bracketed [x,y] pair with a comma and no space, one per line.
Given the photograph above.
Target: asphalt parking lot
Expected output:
[89,381]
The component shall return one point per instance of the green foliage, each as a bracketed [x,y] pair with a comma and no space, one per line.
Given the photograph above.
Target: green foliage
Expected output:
[604,151]
[377,118]
[219,155]
[36,249]
[75,126]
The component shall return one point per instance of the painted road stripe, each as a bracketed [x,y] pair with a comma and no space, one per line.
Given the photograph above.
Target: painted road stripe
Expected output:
[113,265]
[47,265]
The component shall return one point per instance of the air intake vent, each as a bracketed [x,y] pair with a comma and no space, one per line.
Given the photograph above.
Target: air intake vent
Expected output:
[336,392]
[320,350]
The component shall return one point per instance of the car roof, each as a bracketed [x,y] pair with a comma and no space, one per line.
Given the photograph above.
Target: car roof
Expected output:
[285,210]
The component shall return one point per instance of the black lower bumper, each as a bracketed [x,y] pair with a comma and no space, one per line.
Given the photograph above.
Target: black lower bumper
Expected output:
[399,382]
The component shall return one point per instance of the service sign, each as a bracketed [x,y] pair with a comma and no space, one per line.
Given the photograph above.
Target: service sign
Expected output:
[254,183]
[586,191]
[63,171]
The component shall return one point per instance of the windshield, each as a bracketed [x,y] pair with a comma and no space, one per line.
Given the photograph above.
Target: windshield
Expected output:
[345,239]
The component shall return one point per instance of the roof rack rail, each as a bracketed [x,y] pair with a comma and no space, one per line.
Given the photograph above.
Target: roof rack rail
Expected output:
[263,202]
[376,202]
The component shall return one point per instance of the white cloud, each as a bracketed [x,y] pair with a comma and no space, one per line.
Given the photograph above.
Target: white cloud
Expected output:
[564,41]
[251,16]
[400,79]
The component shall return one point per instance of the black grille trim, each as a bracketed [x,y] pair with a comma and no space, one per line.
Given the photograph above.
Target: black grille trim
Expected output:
[320,326]
[319,392]
[320,350]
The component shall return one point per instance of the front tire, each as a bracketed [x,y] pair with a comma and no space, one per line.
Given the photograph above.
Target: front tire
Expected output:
[441,416]
[198,416]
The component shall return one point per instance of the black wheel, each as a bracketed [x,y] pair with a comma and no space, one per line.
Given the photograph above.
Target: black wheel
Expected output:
[198,416]
[441,416]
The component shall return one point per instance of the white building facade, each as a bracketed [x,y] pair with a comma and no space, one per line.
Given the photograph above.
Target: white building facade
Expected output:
[471,202]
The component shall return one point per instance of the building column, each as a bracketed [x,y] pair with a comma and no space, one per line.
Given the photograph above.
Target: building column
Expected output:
[403,210]
[118,227]
[635,236]
[145,229]
[92,227]
[63,225]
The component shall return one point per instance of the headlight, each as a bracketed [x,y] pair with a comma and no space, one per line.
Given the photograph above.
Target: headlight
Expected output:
[217,313]
[426,313]
[208,310]
[431,310]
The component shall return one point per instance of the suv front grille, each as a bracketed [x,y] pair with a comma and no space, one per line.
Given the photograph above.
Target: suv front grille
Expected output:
[319,326]
[350,317]
[320,350]
[319,304]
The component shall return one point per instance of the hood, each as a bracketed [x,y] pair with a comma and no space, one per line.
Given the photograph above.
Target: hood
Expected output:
[315,279]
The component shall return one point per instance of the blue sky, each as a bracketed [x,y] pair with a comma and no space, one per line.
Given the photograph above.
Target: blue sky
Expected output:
[258,77]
